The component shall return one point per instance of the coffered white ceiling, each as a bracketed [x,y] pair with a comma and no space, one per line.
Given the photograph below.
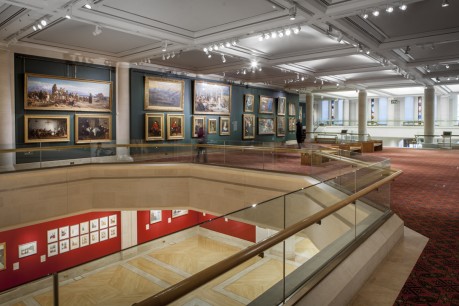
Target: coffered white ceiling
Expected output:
[406,49]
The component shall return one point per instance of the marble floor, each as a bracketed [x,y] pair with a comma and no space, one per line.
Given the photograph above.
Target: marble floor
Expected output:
[136,278]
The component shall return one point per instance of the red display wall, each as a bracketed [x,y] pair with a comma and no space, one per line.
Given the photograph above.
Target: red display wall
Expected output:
[31,267]
[163,227]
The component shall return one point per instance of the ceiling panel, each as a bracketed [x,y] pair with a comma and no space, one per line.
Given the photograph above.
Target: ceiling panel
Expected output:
[193,15]
[72,33]
[306,40]
[340,63]
[420,17]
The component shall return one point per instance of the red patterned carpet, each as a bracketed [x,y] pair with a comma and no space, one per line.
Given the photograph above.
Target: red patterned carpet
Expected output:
[426,197]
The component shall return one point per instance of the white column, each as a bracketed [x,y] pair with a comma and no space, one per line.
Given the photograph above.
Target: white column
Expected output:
[122,110]
[309,116]
[429,113]
[128,229]
[453,110]
[7,138]
[362,115]
[346,112]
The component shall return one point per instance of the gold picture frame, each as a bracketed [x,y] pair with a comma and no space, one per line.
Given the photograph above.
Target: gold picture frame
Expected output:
[46,128]
[266,126]
[249,102]
[291,124]
[225,128]
[212,126]
[45,92]
[266,105]
[175,126]
[154,126]
[162,94]
[198,122]
[280,126]
[291,109]
[281,105]
[248,126]
[211,98]
[93,128]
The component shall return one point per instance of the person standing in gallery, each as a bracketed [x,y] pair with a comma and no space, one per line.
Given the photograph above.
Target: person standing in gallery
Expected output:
[299,133]
[201,149]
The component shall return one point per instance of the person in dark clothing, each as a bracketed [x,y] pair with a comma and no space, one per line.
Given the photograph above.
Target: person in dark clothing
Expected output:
[299,132]
[201,150]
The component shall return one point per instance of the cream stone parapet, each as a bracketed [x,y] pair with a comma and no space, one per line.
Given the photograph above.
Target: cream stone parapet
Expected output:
[29,197]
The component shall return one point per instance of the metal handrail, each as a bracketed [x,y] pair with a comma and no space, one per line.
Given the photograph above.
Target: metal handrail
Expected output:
[195,281]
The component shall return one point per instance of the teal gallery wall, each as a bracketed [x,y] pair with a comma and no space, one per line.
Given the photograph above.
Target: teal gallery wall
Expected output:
[137,111]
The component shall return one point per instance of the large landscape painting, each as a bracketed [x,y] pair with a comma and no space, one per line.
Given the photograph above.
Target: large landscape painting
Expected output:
[211,98]
[164,94]
[64,94]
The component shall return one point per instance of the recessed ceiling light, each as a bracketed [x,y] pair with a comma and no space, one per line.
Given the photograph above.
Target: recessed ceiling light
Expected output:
[376,13]
[445,3]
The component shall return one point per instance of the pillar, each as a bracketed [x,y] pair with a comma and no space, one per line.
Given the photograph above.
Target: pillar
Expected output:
[309,116]
[128,229]
[6,109]
[362,129]
[429,114]
[346,112]
[122,111]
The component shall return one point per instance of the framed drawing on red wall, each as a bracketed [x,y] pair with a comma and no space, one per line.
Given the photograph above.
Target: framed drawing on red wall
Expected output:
[27,249]
[53,249]
[179,212]
[2,256]
[155,216]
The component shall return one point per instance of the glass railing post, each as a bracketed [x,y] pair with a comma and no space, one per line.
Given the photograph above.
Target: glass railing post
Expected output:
[55,289]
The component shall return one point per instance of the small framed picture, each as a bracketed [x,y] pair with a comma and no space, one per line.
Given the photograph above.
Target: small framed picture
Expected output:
[64,232]
[112,220]
[74,230]
[291,124]
[93,128]
[103,222]
[281,105]
[84,227]
[154,127]
[266,105]
[224,126]
[74,243]
[53,249]
[249,102]
[52,235]
[94,237]
[64,246]
[211,126]
[46,128]
[112,232]
[84,240]
[175,126]
[291,109]
[2,256]
[266,126]
[94,225]
[198,123]
[155,216]
[280,126]
[248,129]
[103,234]
[179,212]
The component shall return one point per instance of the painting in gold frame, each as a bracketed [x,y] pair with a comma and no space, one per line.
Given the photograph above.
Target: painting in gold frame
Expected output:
[225,128]
[211,98]
[212,126]
[44,92]
[46,128]
[291,109]
[154,126]
[266,105]
[248,129]
[93,128]
[266,126]
[281,105]
[162,94]
[249,102]
[198,122]
[291,124]
[175,126]
[280,126]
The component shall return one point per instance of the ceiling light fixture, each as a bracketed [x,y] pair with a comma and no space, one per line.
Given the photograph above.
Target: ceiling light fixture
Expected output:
[209,55]
[403,6]
[34,27]
[365,15]
[447,66]
[43,22]
[164,46]
[164,57]
[173,54]
[39,26]
[97,30]
[407,50]
[375,13]
[296,30]
[68,13]
[389,9]
[292,13]
[223,58]
[445,3]
[88,5]
[288,32]
[281,33]
[253,64]
[260,38]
